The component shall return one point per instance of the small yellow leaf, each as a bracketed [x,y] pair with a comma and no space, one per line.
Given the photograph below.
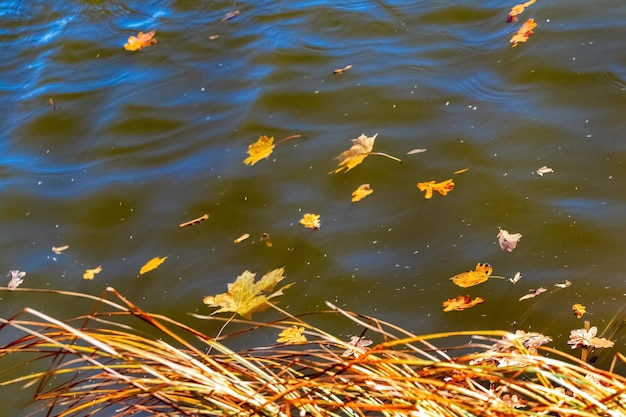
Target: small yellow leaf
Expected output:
[479,275]
[442,188]
[260,149]
[461,302]
[90,273]
[152,264]
[361,192]
[292,335]
[241,238]
[524,32]
[137,43]
[312,221]
[579,310]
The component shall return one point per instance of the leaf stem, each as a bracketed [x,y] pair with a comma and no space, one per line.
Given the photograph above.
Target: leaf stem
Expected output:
[287,138]
[387,155]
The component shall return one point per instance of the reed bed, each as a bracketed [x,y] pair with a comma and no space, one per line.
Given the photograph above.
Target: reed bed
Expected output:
[120,360]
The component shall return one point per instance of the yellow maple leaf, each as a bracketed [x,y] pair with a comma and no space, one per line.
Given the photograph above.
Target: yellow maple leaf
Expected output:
[90,273]
[517,10]
[442,188]
[579,310]
[153,263]
[361,192]
[461,302]
[470,278]
[524,32]
[244,296]
[292,335]
[260,149]
[360,149]
[137,43]
[312,221]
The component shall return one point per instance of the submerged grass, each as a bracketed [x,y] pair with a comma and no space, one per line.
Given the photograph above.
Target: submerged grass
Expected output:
[104,363]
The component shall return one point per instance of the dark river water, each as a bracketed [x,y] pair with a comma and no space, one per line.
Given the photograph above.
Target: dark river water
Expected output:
[108,151]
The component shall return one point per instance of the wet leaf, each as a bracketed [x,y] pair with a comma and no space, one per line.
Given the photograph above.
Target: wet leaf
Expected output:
[564,284]
[342,70]
[312,221]
[266,238]
[361,192]
[230,15]
[91,273]
[516,278]
[587,338]
[414,151]
[461,302]
[244,296]
[517,10]
[361,148]
[533,293]
[470,278]
[16,278]
[292,335]
[508,241]
[357,344]
[544,170]
[579,310]
[261,149]
[153,263]
[442,188]
[524,32]
[137,43]
[241,238]
[59,249]
[460,171]
[194,221]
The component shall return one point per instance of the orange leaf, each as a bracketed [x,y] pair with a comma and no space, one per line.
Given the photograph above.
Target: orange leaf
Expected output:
[524,32]
[153,263]
[461,302]
[292,335]
[470,278]
[312,221]
[90,273]
[137,43]
[194,221]
[517,10]
[361,192]
[579,310]
[260,149]
[442,188]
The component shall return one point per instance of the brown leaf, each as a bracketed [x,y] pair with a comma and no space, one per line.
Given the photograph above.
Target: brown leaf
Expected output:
[461,302]
[361,192]
[524,32]
[357,345]
[137,43]
[261,149]
[508,241]
[534,293]
[470,278]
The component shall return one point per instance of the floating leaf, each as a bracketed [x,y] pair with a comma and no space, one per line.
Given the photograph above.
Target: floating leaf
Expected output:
[508,241]
[244,296]
[361,192]
[266,238]
[533,293]
[544,170]
[230,15]
[312,221]
[414,151]
[587,338]
[241,238]
[194,221]
[261,149]
[16,278]
[91,273]
[153,263]
[361,148]
[461,302]
[342,70]
[517,10]
[292,335]
[137,43]
[524,32]
[470,278]
[460,171]
[564,284]
[58,250]
[442,188]
[356,346]
[579,310]
[516,278]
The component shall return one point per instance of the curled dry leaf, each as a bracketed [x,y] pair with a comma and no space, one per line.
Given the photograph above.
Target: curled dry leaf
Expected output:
[357,345]
[517,10]
[544,170]
[524,32]
[461,302]
[516,278]
[508,241]
[533,293]
[579,310]
[361,192]
[91,273]
[261,149]
[194,221]
[479,275]
[360,149]
[587,338]
[153,263]
[342,70]
[292,335]
[16,278]
[312,221]
[137,43]
[241,238]
[59,249]
[564,284]
[442,188]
